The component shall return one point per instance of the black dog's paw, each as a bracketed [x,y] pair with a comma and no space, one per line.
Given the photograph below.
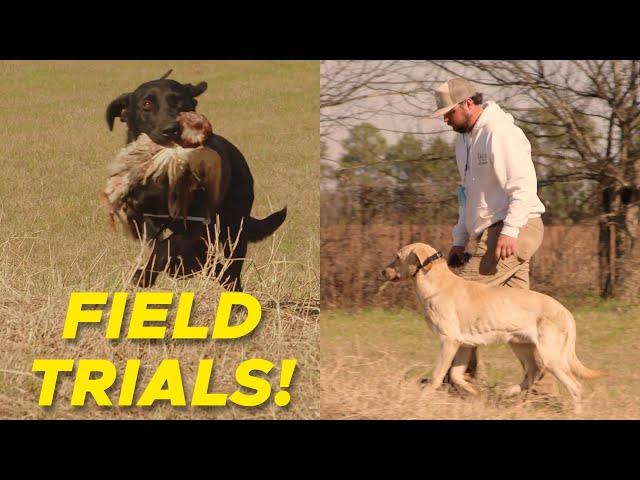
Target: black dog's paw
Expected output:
[143,278]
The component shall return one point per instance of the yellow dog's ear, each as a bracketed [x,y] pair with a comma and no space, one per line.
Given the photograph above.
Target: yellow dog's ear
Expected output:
[421,253]
[415,259]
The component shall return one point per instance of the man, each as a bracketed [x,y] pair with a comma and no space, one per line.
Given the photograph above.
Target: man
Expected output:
[498,201]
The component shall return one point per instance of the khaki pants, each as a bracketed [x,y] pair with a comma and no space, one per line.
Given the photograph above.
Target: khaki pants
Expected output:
[512,272]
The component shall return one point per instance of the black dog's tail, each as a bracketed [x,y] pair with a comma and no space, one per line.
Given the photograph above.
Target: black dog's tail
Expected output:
[260,229]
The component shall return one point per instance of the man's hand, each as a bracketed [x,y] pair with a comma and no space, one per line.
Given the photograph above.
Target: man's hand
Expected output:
[506,247]
[456,256]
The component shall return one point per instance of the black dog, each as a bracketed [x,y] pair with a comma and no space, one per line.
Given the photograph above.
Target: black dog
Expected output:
[181,246]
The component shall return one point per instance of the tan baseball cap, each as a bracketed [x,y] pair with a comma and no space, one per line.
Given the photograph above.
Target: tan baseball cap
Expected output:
[450,93]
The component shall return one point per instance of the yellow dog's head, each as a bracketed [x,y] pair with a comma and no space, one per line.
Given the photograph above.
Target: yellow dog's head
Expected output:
[408,261]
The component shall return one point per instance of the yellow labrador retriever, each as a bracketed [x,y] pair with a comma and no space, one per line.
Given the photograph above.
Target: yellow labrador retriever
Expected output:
[466,314]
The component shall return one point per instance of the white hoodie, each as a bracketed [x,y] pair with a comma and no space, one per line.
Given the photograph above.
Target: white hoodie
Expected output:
[500,180]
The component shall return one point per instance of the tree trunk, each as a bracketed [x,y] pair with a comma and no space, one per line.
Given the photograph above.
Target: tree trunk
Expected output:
[606,262]
[628,285]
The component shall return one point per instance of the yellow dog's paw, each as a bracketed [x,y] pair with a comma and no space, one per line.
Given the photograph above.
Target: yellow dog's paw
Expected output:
[512,391]
[430,391]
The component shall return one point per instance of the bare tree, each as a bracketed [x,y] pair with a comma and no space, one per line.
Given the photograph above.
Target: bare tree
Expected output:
[353,92]
[390,93]
[583,118]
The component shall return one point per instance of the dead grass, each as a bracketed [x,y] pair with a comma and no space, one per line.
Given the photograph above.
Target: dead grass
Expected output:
[372,360]
[352,256]
[54,237]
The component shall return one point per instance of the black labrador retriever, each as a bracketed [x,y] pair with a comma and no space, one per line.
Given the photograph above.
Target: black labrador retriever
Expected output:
[153,108]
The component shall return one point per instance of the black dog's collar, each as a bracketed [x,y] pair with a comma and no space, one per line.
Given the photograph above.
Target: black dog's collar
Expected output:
[432,258]
[203,220]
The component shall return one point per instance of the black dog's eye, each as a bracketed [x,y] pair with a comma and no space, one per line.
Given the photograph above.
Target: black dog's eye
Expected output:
[147,105]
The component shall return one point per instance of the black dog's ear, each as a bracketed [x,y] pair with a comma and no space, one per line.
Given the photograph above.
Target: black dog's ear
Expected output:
[197,90]
[118,108]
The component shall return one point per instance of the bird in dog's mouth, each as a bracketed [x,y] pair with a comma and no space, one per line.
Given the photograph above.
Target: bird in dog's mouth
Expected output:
[145,161]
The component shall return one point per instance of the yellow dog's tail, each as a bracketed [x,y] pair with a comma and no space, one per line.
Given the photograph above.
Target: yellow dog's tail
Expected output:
[576,366]
[578,369]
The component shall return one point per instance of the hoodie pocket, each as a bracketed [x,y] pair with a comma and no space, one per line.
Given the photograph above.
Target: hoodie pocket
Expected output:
[529,239]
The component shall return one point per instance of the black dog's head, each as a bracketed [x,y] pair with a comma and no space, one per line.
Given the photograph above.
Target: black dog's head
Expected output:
[153,108]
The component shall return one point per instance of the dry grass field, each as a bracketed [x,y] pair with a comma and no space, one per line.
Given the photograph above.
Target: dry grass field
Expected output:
[372,360]
[54,236]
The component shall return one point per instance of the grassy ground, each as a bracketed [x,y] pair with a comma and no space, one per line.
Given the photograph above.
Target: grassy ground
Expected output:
[54,236]
[372,361]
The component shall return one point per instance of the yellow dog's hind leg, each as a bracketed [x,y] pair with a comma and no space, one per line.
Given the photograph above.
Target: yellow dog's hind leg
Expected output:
[526,354]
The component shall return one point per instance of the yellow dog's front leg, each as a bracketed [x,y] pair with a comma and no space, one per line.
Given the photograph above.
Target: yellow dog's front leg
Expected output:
[448,349]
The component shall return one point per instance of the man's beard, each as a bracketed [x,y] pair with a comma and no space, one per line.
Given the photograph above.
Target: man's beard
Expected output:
[463,127]
[459,129]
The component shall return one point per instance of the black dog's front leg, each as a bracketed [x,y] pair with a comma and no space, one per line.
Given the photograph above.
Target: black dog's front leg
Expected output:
[230,278]
[156,263]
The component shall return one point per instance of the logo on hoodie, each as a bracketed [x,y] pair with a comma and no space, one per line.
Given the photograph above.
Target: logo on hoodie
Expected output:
[482,158]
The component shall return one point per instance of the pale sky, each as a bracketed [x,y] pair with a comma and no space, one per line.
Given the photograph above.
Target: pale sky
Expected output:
[413,116]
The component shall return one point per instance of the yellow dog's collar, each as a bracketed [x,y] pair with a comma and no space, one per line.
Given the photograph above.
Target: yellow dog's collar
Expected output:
[429,260]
